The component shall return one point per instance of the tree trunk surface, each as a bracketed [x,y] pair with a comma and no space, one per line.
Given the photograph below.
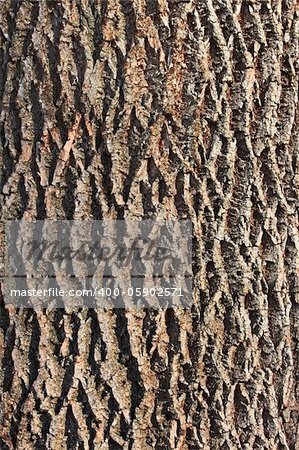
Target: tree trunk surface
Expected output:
[168,109]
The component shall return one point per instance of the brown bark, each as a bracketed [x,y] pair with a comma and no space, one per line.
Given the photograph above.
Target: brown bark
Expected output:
[172,109]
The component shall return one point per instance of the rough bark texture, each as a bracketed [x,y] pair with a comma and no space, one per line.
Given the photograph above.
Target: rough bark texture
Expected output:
[171,109]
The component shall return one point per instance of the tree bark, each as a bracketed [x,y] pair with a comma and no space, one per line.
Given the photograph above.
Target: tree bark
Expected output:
[133,109]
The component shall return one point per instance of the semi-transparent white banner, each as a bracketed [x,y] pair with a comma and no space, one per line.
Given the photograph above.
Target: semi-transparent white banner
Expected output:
[92,264]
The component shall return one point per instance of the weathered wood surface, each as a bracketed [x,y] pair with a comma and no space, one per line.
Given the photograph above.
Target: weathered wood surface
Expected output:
[171,109]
